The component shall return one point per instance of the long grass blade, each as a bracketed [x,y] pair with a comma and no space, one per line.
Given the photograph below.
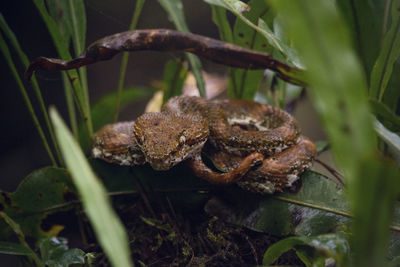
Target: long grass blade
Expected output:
[77,15]
[107,226]
[388,55]
[63,51]
[70,104]
[6,52]
[174,8]
[24,59]
[125,56]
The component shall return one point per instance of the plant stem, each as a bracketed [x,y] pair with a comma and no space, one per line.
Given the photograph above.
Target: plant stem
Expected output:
[17,230]
[7,55]
[24,59]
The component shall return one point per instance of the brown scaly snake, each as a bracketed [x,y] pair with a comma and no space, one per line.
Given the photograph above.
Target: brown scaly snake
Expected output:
[256,145]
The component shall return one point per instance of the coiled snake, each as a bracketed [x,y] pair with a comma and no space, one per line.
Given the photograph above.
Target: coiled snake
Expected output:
[256,145]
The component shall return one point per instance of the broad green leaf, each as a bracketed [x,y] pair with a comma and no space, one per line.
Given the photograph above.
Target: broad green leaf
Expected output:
[365,24]
[385,115]
[55,252]
[389,53]
[108,228]
[38,195]
[328,246]
[245,83]
[14,249]
[317,208]
[175,73]
[221,20]
[174,8]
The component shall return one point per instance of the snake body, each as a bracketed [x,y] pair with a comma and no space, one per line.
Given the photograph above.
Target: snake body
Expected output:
[256,145]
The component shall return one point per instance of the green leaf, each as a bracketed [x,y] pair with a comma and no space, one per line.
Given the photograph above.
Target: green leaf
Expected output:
[175,73]
[101,109]
[174,8]
[385,115]
[55,252]
[389,53]
[245,83]
[237,7]
[338,86]
[329,246]
[57,10]
[106,224]
[233,5]
[365,23]
[221,20]
[38,195]
[101,114]
[392,93]
[6,53]
[321,146]
[390,138]
[24,59]
[317,208]
[14,249]
[81,93]
[288,53]
[125,57]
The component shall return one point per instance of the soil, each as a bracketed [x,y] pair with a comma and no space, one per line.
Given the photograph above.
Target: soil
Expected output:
[163,235]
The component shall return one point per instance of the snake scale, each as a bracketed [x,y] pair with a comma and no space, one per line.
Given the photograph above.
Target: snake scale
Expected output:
[255,145]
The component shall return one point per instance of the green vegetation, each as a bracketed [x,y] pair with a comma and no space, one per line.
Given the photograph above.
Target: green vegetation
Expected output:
[350,53]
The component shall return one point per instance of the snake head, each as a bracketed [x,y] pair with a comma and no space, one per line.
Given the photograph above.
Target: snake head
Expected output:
[168,138]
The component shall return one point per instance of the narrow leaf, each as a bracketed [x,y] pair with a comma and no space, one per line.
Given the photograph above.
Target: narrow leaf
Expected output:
[124,61]
[108,228]
[389,53]
[221,20]
[6,53]
[329,246]
[175,73]
[245,83]
[386,116]
[62,49]
[365,23]
[14,249]
[174,8]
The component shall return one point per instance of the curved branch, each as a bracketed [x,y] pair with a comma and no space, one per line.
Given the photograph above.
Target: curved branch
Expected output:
[170,40]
